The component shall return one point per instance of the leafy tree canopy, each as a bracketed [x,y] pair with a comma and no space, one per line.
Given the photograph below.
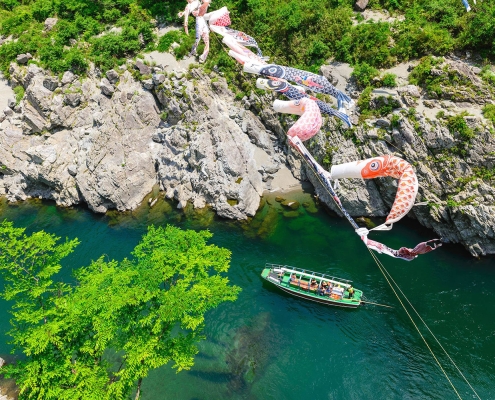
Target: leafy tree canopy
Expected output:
[99,338]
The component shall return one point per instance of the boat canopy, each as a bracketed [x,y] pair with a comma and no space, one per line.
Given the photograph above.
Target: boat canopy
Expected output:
[310,274]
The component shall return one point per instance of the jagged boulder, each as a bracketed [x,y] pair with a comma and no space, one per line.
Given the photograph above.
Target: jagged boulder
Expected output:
[106,87]
[68,77]
[142,67]
[360,5]
[23,58]
[50,23]
[51,83]
[112,76]
[72,99]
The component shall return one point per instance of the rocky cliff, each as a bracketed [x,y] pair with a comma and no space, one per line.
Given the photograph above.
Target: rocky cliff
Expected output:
[447,140]
[107,139]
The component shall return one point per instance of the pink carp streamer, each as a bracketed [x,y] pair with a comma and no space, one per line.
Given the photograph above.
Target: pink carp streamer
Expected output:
[220,17]
[310,122]
[382,166]
[403,253]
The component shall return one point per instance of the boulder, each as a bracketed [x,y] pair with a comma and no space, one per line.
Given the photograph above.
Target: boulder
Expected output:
[2,362]
[410,90]
[148,84]
[36,123]
[72,169]
[384,123]
[112,76]
[158,79]
[50,23]
[142,68]
[22,58]
[106,87]
[68,77]
[361,5]
[72,99]
[11,103]
[51,83]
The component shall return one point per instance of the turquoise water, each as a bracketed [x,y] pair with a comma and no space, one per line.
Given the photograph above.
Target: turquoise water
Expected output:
[268,345]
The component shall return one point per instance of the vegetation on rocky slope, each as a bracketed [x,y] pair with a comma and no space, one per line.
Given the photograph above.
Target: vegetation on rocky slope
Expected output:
[302,33]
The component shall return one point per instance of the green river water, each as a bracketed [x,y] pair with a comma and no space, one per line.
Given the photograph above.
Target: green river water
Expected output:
[268,345]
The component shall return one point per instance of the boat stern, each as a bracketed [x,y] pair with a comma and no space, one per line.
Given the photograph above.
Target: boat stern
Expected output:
[265,272]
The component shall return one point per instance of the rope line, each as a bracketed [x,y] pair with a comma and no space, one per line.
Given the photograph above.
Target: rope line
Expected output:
[382,269]
[425,324]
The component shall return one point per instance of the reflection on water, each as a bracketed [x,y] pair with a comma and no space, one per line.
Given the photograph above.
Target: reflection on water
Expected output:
[269,345]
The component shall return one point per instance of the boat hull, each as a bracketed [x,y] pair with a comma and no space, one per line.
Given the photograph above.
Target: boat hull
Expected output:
[316,299]
[285,278]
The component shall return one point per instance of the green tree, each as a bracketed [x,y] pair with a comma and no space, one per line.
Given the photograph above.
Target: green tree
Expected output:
[99,338]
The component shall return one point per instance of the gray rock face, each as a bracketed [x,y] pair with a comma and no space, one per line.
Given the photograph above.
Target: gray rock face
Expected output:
[461,207]
[203,148]
[109,152]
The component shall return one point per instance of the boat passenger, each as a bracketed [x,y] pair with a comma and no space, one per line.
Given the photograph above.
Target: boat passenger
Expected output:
[324,288]
[313,284]
[351,292]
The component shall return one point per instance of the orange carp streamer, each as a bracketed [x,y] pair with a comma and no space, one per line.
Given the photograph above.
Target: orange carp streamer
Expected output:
[382,166]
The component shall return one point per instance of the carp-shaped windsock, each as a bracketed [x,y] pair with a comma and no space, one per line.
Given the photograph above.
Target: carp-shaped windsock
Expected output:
[244,53]
[382,166]
[220,17]
[310,122]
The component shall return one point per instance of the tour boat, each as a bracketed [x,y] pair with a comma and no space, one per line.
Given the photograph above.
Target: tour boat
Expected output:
[313,286]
